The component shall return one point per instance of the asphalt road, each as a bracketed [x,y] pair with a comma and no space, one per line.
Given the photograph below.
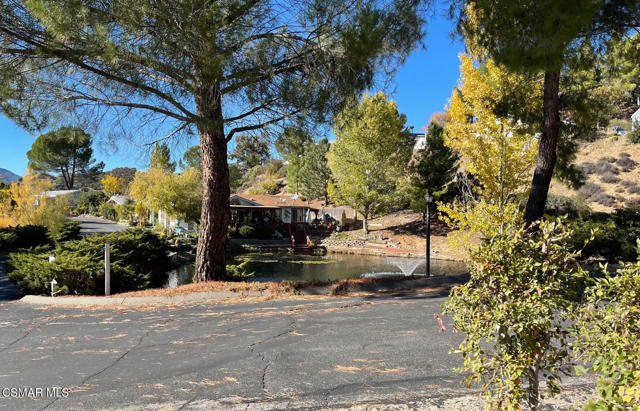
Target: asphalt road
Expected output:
[8,290]
[96,225]
[307,353]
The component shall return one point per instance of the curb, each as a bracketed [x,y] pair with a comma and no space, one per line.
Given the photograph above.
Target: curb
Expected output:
[129,301]
[214,296]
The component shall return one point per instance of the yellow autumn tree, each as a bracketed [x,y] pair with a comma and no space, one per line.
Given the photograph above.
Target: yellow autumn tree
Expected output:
[495,148]
[113,185]
[179,195]
[25,203]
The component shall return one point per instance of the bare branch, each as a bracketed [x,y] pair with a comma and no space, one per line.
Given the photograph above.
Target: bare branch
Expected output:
[251,112]
[168,136]
[74,57]
[258,126]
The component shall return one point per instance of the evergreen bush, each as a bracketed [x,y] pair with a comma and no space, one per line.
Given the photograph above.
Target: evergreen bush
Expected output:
[572,207]
[23,236]
[139,260]
[634,135]
[614,235]
[64,231]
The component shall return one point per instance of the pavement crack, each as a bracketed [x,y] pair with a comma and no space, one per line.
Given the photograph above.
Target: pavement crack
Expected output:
[290,328]
[113,364]
[187,403]
[26,334]
[359,303]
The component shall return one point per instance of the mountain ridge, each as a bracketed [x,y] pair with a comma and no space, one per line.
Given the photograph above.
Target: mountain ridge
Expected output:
[7,176]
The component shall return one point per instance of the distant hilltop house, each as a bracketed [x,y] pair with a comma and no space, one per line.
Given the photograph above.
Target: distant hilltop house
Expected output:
[635,118]
[421,141]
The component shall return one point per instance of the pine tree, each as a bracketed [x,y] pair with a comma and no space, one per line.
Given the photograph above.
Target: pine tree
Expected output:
[67,151]
[433,170]
[211,68]
[314,173]
[161,158]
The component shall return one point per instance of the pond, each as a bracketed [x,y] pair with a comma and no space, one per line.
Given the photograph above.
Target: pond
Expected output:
[291,267]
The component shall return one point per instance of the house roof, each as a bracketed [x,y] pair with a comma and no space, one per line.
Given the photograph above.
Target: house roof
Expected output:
[266,200]
[56,193]
[636,114]
[120,200]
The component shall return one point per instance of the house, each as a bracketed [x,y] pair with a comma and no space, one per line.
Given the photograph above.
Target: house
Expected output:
[72,195]
[635,119]
[420,141]
[167,222]
[290,214]
[261,209]
[119,200]
[339,214]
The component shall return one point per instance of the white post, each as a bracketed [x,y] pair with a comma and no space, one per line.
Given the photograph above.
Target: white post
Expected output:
[53,284]
[107,270]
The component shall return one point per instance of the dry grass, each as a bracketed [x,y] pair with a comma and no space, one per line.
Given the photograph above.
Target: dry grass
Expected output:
[214,286]
[281,289]
[407,229]
[611,170]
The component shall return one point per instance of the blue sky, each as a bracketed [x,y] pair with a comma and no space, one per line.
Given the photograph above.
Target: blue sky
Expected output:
[421,87]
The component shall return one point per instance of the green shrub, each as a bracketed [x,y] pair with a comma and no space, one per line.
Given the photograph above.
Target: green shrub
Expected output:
[232,232]
[276,168]
[614,238]
[572,207]
[23,236]
[89,202]
[627,217]
[608,337]
[270,186]
[139,260]
[64,231]
[109,212]
[634,135]
[126,212]
[246,231]
[31,270]
[513,311]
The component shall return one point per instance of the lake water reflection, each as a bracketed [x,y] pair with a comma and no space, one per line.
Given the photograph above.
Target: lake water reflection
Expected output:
[290,267]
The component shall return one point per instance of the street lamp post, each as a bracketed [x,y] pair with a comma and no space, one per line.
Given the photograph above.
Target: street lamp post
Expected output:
[427,199]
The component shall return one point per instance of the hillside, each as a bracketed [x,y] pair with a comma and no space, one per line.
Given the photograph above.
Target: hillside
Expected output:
[612,168]
[7,176]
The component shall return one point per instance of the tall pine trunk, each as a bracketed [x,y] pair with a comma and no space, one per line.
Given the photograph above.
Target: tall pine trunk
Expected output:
[547,148]
[214,218]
